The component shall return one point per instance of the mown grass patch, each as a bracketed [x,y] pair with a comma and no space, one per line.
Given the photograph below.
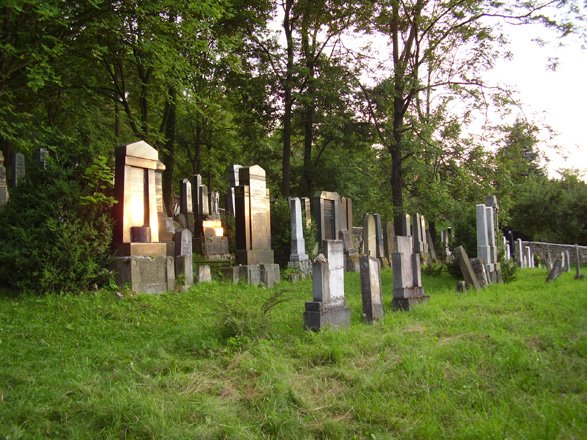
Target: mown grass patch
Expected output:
[234,361]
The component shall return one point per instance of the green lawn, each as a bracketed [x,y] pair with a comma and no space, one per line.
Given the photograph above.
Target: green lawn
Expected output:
[507,362]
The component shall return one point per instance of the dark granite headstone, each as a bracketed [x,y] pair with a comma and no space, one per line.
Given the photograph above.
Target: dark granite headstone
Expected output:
[327,215]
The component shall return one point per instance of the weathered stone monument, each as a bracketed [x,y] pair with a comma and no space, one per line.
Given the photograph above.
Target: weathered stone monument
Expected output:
[486,239]
[328,308]
[369,235]
[351,255]
[520,253]
[298,258]
[407,275]
[327,215]
[186,207]
[419,237]
[307,210]
[578,274]
[380,239]
[406,225]
[466,267]
[253,225]
[371,288]
[445,237]
[555,272]
[389,240]
[141,261]
[184,271]
[18,169]
[233,182]
[3,183]
[479,268]
[41,156]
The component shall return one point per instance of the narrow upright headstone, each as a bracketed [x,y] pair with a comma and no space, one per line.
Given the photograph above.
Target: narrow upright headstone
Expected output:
[371,288]
[369,235]
[329,306]
[3,183]
[41,156]
[298,244]
[567,260]
[380,248]
[529,257]
[307,211]
[520,253]
[407,275]
[327,213]
[185,197]
[466,268]
[204,201]
[431,248]
[578,275]
[483,250]
[18,168]
[389,239]
[407,225]
[183,257]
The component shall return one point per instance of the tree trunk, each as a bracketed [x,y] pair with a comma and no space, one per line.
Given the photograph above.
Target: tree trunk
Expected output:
[288,102]
[168,156]
[310,107]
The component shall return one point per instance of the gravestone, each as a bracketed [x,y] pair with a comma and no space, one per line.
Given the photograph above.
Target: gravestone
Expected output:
[578,274]
[445,244]
[369,235]
[327,212]
[389,239]
[466,267]
[345,234]
[380,247]
[214,204]
[407,275]
[520,253]
[233,181]
[186,208]
[418,234]
[480,271]
[555,272]
[298,258]
[486,239]
[328,308]
[203,274]
[18,168]
[141,261]
[431,248]
[3,184]
[406,225]
[307,211]
[41,156]
[183,258]
[529,257]
[371,288]
[461,287]
[253,218]
[568,261]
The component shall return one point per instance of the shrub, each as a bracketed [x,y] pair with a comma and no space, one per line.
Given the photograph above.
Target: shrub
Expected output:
[55,232]
[281,231]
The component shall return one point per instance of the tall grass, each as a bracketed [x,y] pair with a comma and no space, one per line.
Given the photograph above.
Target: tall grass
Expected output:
[225,361]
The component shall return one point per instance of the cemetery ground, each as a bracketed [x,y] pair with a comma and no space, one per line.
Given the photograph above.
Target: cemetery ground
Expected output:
[233,361]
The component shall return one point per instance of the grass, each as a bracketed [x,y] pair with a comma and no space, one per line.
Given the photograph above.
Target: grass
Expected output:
[507,362]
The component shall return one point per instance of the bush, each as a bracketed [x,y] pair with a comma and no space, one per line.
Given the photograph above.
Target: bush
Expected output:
[55,232]
[281,231]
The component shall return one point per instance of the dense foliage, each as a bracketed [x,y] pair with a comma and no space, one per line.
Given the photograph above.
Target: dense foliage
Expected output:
[55,232]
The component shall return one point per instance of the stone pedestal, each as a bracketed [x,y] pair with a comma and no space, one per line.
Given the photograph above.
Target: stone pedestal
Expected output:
[317,316]
[407,275]
[145,274]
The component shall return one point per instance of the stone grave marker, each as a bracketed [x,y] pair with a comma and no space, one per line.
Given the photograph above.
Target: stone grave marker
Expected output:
[389,239]
[41,156]
[380,247]
[203,274]
[328,307]
[568,261]
[520,253]
[298,257]
[578,274]
[369,235]
[3,184]
[407,275]
[183,257]
[466,267]
[233,181]
[555,272]
[406,225]
[136,228]
[480,271]
[18,168]
[371,288]
[307,211]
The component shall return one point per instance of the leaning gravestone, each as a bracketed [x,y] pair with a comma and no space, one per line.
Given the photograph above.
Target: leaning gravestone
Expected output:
[328,308]
[407,275]
[466,268]
[480,271]
[3,184]
[555,272]
[371,288]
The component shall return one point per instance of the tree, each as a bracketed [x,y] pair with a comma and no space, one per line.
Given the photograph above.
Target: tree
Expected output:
[439,45]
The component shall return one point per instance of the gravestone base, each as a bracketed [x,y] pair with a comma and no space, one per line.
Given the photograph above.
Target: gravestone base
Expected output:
[317,317]
[212,248]
[145,274]
[231,274]
[408,303]
[376,315]
[303,268]
[270,274]
[141,249]
[254,256]
[384,262]
[408,292]
[351,263]
[250,274]
[184,270]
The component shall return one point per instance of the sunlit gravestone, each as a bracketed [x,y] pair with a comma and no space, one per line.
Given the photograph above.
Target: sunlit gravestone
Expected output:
[141,260]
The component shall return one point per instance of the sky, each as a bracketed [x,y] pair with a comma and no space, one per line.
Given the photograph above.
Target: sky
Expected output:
[557,98]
